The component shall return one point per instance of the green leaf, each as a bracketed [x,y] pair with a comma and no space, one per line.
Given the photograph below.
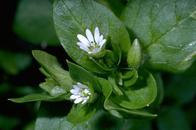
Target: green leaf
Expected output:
[13,63]
[33,97]
[101,121]
[53,123]
[130,78]
[79,74]
[160,90]
[51,66]
[141,94]
[33,22]
[116,6]
[166,29]
[173,118]
[74,17]
[52,87]
[104,121]
[111,105]
[81,113]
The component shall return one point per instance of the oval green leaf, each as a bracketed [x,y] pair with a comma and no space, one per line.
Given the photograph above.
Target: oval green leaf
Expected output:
[166,29]
[74,17]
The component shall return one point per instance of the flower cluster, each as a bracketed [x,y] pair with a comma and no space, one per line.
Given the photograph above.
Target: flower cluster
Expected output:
[80,93]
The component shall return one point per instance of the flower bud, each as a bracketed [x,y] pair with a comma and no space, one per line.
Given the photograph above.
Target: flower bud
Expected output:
[134,55]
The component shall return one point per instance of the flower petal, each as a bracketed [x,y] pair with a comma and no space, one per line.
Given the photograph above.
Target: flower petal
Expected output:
[78,100]
[82,46]
[101,43]
[80,93]
[84,101]
[100,38]
[86,91]
[74,96]
[96,34]
[75,91]
[96,50]
[89,35]
[83,39]
[81,85]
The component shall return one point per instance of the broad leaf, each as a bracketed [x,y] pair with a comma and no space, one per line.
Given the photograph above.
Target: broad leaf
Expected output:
[51,66]
[166,28]
[53,123]
[33,22]
[110,105]
[74,17]
[101,121]
[141,94]
[81,113]
[79,74]
[116,6]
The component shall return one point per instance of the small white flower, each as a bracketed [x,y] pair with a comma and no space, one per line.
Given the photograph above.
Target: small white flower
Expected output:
[90,44]
[80,93]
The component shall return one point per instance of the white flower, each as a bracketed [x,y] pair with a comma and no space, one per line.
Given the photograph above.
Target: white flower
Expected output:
[80,93]
[90,44]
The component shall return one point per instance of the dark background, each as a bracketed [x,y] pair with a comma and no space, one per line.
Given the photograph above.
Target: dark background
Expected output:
[31,76]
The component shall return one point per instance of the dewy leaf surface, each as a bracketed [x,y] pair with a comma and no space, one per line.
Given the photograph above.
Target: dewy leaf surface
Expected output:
[74,17]
[167,30]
